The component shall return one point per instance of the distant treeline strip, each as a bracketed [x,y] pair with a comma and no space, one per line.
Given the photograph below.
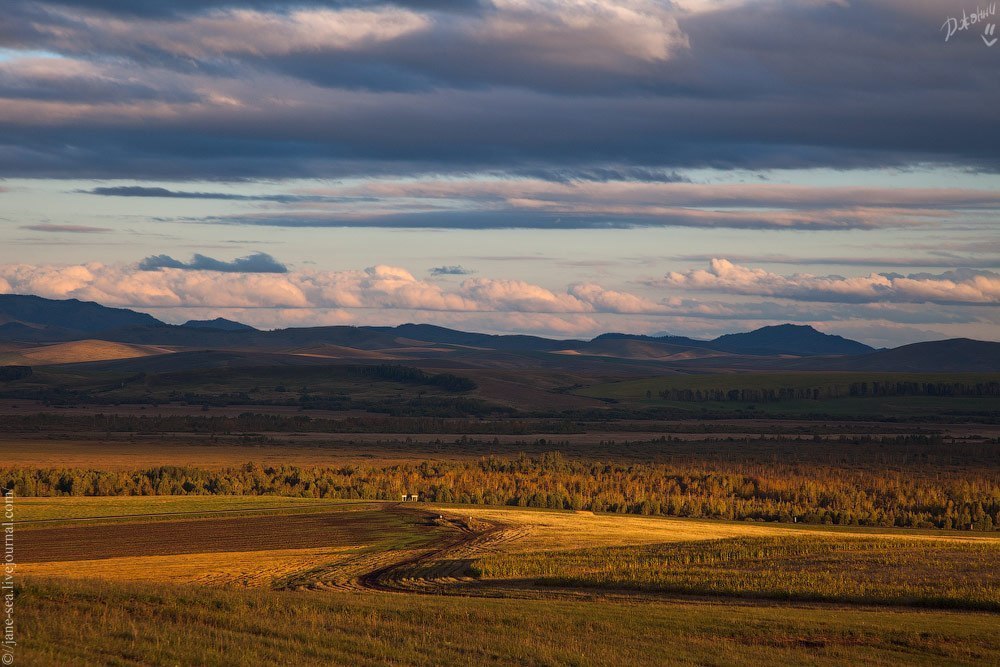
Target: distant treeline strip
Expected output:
[409,375]
[11,373]
[779,492]
[384,372]
[854,389]
[258,422]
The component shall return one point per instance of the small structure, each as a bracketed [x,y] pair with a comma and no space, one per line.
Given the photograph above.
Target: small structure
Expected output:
[410,497]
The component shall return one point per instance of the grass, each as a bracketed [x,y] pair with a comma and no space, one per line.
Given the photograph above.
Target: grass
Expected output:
[77,352]
[117,624]
[239,569]
[93,507]
[635,392]
[946,573]
[231,549]
[549,530]
[636,389]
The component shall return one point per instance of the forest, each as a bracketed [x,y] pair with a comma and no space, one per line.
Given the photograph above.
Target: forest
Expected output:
[907,496]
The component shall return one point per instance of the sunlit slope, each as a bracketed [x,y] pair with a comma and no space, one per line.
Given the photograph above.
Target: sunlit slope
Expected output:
[79,351]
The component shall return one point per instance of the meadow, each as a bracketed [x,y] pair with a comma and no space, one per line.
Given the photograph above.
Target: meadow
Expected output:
[848,569]
[114,623]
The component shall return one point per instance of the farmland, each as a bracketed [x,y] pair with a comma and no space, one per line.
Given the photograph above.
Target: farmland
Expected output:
[314,581]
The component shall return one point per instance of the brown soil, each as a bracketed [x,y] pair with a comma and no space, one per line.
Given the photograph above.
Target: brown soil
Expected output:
[248,533]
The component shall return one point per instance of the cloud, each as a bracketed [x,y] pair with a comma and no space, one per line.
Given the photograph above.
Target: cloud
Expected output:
[452,270]
[384,294]
[531,203]
[555,87]
[961,286]
[258,262]
[67,229]
[162,281]
[944,259]
[164,193]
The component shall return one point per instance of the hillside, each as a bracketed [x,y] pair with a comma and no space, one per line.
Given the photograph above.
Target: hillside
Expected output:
[26,317]
[79,351]
[953,355]
[218,323]
[788,339]
[124,334]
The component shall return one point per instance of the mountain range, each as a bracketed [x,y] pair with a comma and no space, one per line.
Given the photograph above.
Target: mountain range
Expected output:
[34,330]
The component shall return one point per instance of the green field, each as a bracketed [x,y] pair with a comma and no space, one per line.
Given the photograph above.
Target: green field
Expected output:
[647,392]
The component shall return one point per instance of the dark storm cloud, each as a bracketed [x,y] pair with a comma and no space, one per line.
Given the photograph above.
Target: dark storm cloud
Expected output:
[158,192]
[70,229]
[764,85]
[258,262]
[453,270]
[511,218]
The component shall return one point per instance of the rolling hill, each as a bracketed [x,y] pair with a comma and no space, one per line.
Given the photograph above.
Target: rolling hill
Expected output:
[940,356]
[79,351]
[87,331]
[26,317]
[218,323]
[786,339]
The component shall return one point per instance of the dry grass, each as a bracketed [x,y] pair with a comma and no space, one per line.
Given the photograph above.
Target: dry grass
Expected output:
[79,351]
[244,569]
[68,508]
[558,531]
[804,567]
[63,623]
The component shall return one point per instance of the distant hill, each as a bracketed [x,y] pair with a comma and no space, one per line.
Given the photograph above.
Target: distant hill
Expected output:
[665,338]
[29,326]
[218,323]
[644,348]
[510,342]
[34,318]
[955,355]
[788,339]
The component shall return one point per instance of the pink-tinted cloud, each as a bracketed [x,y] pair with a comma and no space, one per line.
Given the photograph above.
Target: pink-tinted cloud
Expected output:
[962,286]
[377,287]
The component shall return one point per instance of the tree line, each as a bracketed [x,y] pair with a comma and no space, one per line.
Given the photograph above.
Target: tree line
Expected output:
[854,389]
[11,373]
[756,492]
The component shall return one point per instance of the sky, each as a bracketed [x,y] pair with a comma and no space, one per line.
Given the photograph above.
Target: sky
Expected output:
[555,167]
